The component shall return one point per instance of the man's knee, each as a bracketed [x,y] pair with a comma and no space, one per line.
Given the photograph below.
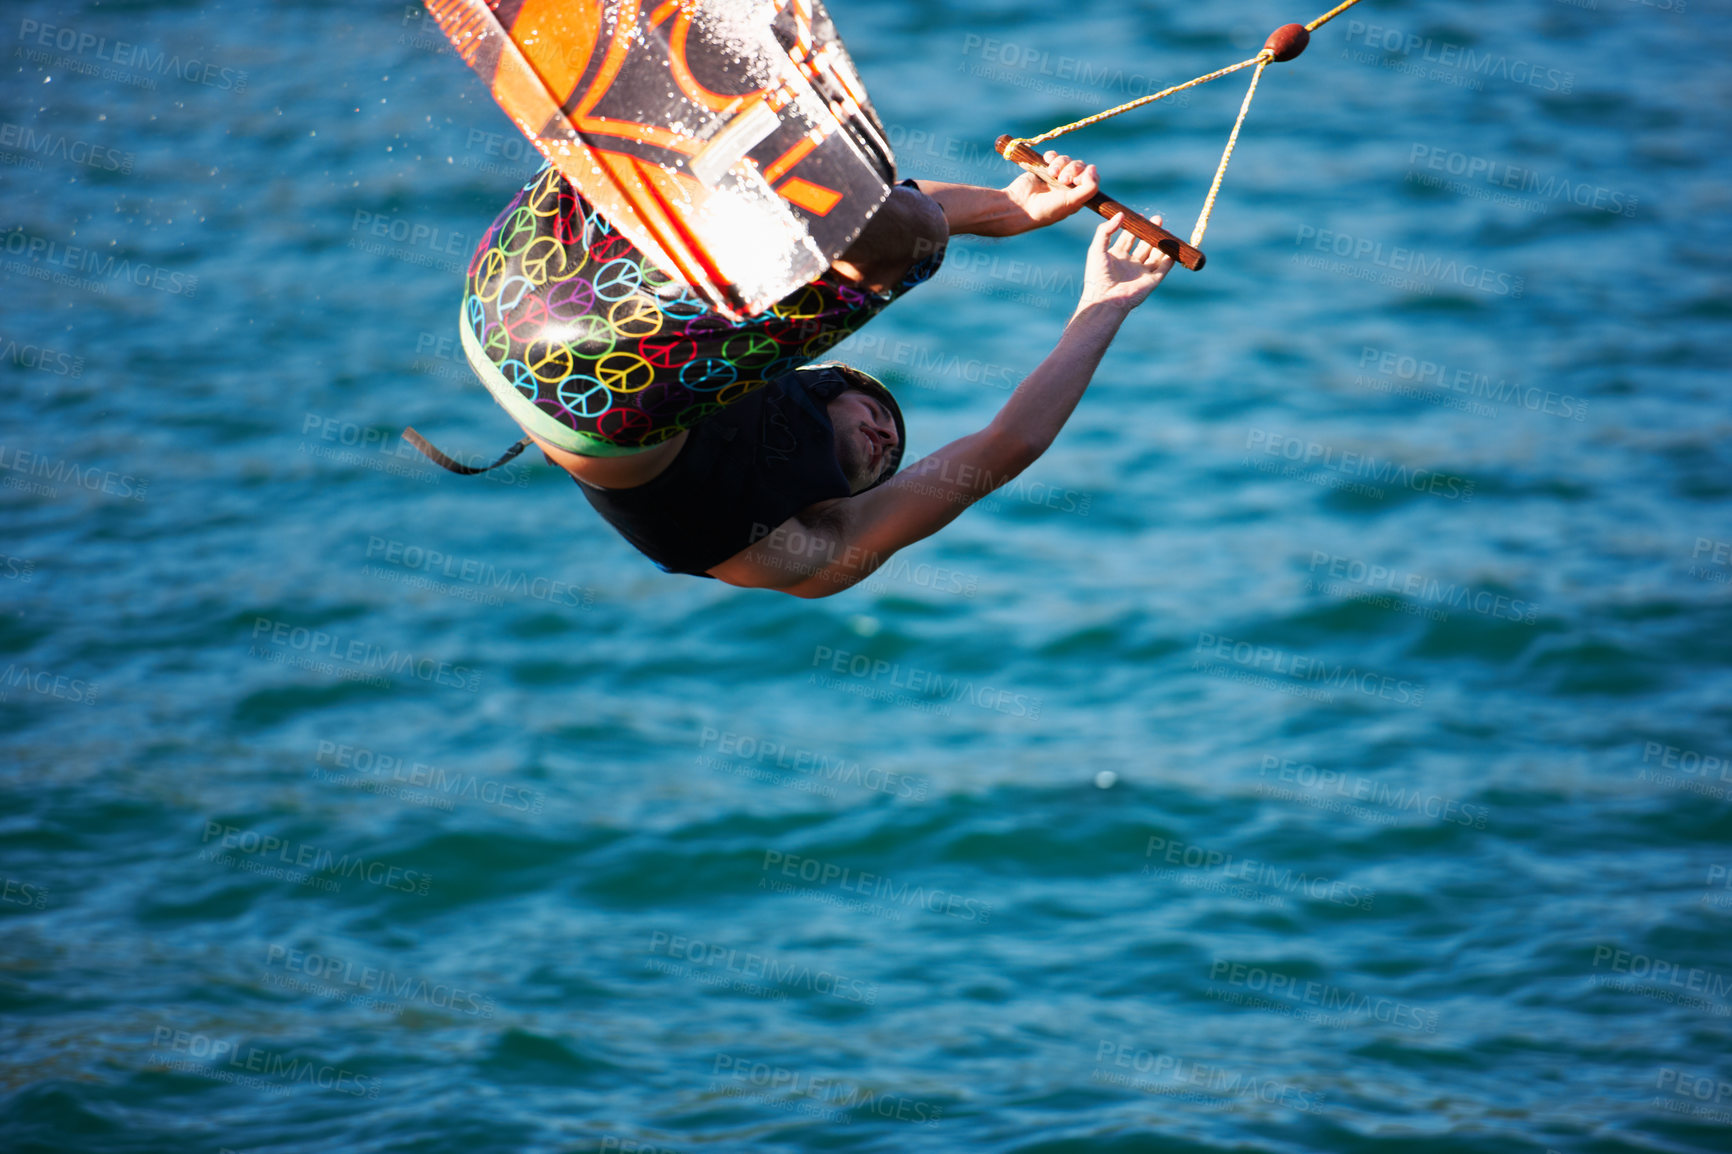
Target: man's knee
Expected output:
[926,228]
[906,229]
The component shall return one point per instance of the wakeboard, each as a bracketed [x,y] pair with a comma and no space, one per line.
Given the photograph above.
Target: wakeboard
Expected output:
[730,140]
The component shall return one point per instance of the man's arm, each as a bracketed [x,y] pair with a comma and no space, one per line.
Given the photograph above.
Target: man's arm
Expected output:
[1026,203]
[849,539]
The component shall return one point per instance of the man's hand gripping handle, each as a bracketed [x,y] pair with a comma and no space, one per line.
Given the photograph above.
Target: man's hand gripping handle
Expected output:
[1138,226]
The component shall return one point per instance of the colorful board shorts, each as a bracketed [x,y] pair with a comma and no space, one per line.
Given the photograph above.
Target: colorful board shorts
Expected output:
[594,349]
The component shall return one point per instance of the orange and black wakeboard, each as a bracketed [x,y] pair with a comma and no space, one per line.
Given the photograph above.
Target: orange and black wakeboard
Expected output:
[730,140]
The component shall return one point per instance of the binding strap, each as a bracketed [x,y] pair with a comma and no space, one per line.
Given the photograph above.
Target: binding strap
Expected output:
[445,462]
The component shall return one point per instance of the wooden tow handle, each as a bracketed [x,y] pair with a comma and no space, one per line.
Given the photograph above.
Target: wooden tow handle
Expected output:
[1137,225]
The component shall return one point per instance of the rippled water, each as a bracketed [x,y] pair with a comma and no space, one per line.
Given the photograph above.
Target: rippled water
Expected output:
[1324,749]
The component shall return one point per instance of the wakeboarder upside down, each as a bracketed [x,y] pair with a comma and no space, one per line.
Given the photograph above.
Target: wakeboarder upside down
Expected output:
[713,445]
[733,142]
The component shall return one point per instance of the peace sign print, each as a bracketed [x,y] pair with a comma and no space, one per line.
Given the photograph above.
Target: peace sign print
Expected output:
[749,350]
[612,246]
[629,427]
[524,323]
[591,337]
[624,372]
[518,376]
[668,352]
[517,232]
[635,317]
[544,259]
[708,374]
[571,297]
[516,287]
[489,276]
[545,192]
[496,345]
[566,218]
[584,396]
[549,362]
[692,414]
[803,304]
[737,390]
[687,306]
[617,279]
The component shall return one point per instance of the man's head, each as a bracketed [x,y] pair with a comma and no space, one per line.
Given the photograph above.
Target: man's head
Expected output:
[865,418]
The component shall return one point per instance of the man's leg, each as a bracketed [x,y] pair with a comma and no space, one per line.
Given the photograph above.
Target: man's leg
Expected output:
[596,352]
[906,229]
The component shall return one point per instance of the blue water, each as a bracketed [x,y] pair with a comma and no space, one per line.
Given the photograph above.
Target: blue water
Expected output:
[1322,749]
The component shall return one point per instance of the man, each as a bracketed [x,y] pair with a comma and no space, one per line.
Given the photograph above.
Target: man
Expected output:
[833,544]
[703,441]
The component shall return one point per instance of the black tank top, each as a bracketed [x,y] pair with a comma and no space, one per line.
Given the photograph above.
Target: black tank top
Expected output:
[742,472]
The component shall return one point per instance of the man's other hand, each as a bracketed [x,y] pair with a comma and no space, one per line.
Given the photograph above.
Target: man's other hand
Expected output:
[1121,271]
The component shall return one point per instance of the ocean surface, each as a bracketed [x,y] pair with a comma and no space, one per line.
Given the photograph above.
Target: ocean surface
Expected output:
[1325,747]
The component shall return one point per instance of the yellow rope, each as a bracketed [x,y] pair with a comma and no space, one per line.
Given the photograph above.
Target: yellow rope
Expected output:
[1262,60]
[1137,103]
[1221,172]
[1329,15]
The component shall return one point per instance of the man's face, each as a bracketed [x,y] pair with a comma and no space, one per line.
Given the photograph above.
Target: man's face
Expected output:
[865,437]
